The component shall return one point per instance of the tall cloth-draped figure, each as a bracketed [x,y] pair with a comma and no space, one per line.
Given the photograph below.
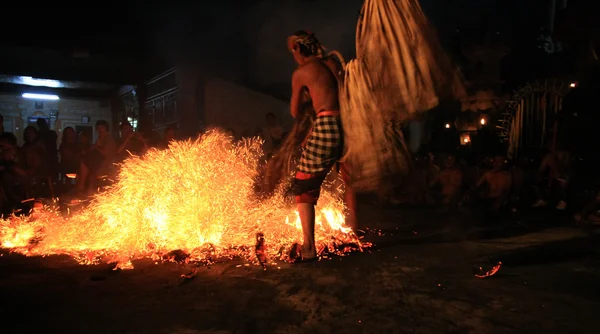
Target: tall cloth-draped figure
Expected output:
[400,70]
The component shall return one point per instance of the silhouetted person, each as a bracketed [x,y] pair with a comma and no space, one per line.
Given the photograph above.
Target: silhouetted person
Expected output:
[498,184]
[32,152]
[13,179]
[48,138]
[130,143]
[69,152]
[100,155]
[450,181]
[168,136]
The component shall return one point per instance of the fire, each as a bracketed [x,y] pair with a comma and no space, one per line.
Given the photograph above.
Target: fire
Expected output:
[196,197]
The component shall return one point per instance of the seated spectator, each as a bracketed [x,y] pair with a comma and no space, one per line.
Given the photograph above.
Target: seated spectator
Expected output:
[168,136]
[450,182]
[48,139]
[84,143]
[130,143]
[69,152]
[98,158]
[555,170]
[495,186]
[13,179]
[32,153]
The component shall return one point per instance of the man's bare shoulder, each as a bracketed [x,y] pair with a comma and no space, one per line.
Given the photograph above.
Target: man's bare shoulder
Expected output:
[308,70]
[314,65]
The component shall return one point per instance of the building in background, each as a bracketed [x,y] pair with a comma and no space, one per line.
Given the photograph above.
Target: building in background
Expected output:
[191,101]
[81,114]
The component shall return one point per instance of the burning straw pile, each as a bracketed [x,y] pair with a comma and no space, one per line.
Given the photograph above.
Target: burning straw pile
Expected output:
[197,197]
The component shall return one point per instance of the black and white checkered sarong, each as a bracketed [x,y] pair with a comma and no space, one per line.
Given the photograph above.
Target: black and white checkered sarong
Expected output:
[324,146]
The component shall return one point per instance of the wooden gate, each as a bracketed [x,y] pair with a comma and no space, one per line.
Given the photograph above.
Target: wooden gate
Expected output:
[529,122]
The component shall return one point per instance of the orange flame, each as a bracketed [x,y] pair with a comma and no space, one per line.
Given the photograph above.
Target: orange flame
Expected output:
[197,196]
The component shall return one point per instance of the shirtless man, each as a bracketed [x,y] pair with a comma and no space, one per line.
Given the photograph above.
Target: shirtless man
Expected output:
[557,165]
[324,146]
[100,155]
[450,181]
[498,182]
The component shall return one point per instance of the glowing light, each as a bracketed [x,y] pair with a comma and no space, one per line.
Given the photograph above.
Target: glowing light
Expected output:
[40,96]
[195,197]
[465,138]
[447,125]
[133,122]
[71,176]
[30,81]
[482,121]
[573,85]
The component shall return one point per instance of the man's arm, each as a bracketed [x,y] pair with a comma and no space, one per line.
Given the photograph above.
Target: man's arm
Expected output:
[123,145]
[297,86]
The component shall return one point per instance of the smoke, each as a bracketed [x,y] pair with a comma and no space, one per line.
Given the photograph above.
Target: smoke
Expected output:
[248,43]
[267,26]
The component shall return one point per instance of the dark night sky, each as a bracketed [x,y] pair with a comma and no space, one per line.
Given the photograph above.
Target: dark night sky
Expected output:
[242,39]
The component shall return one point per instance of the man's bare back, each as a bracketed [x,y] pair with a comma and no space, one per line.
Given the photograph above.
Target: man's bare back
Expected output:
[322,85]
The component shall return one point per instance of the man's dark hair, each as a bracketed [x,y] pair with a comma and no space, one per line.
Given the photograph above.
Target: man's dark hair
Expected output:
[271,115]
[103,123]
[308,44]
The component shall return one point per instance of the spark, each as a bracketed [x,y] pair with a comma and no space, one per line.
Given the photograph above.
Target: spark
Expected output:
[196,197]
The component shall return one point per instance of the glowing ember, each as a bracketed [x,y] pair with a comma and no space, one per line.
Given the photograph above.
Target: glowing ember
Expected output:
[196,198]
[490,272]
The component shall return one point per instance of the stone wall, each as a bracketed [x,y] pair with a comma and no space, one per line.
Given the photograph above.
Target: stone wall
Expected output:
[17,113]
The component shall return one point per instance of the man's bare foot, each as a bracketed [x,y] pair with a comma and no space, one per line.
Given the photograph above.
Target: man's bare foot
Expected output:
[308,254]
[299,255]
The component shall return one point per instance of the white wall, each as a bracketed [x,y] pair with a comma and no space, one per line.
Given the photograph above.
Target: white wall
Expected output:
[16,111]
[229,105]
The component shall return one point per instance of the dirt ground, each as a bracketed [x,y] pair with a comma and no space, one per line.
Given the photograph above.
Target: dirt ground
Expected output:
[418,278]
